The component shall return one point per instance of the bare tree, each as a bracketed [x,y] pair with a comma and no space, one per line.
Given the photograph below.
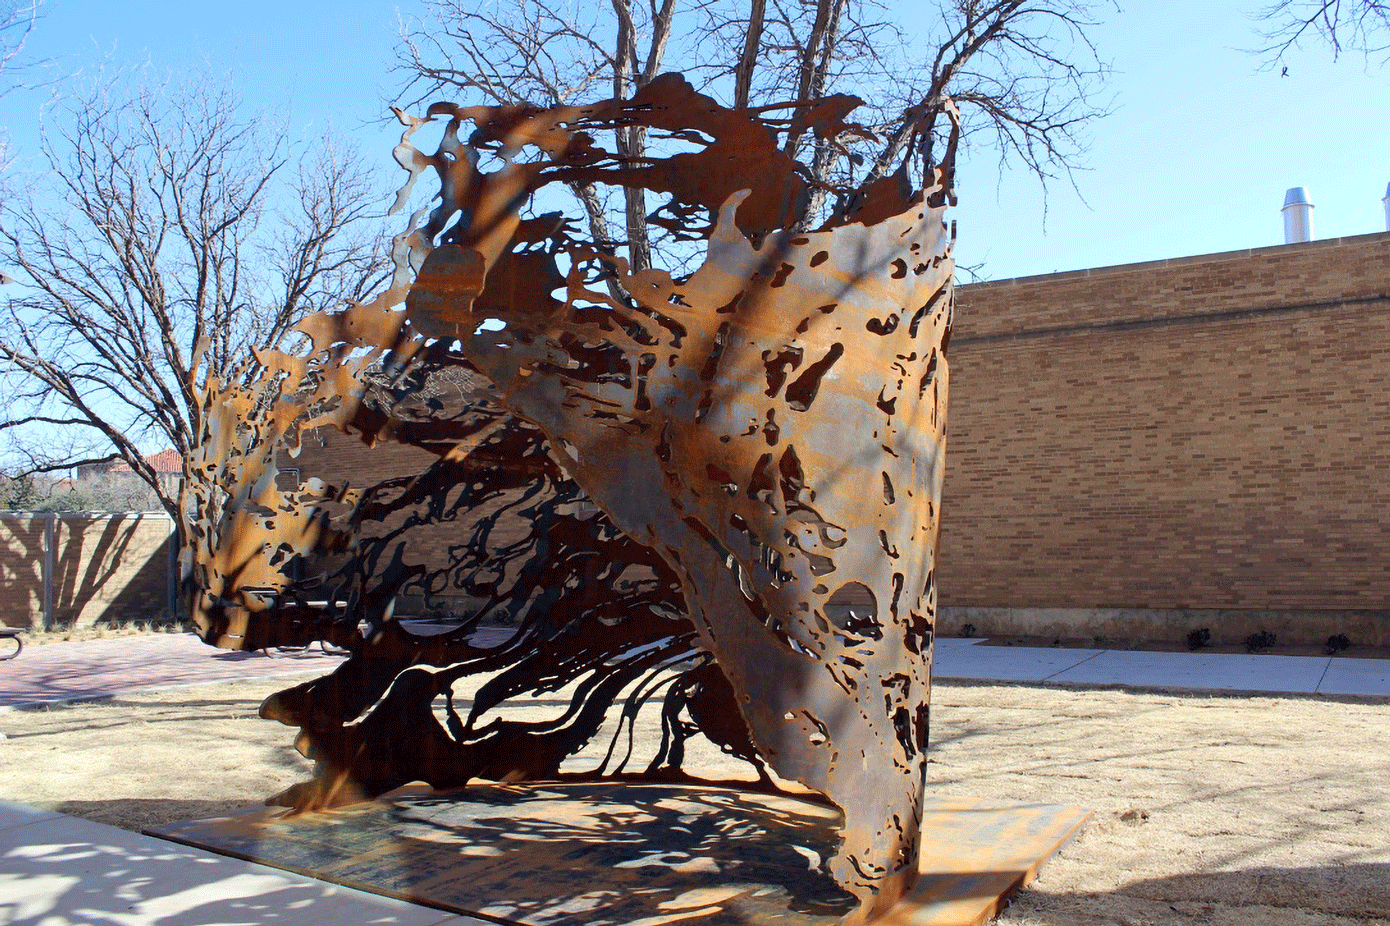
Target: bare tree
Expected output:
[545,54]
[16,22]
[1345,25]
[169,238]
[1025,74]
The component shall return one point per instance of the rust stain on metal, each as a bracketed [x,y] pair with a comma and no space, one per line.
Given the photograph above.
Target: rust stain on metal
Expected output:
[762,437]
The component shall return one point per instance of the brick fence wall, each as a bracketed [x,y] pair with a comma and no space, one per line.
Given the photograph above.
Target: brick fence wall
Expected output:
[342,459]
[81,569]
[1209,433]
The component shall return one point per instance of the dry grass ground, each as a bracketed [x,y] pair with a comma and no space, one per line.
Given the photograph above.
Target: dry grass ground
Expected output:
[1208,810]
[102,631]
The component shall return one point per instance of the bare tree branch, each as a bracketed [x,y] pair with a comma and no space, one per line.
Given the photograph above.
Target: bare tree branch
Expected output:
[1345,25]
[1024,72]
[169,238]
[17,19]
[530,52]
[748,60]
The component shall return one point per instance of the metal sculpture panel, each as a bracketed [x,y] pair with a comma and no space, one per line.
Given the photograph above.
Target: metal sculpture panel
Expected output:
[731,475]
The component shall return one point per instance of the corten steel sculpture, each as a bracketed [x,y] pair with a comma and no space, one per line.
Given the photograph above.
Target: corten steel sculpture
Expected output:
[762,437]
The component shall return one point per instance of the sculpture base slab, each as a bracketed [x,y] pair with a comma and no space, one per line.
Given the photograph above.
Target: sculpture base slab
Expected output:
[571,854]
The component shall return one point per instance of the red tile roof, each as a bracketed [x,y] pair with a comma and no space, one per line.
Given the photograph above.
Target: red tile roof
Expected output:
[166,461]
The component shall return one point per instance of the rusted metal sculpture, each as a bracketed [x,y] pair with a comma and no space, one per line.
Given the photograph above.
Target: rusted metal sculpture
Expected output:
[762,438]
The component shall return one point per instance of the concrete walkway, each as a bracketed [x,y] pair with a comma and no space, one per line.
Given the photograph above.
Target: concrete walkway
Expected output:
[58,672]
[968,660]
[62,871]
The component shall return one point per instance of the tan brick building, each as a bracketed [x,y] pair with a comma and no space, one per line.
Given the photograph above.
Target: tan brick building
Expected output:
[1199,442]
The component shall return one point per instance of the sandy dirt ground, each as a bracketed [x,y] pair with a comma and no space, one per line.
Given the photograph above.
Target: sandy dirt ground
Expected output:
[1208,810]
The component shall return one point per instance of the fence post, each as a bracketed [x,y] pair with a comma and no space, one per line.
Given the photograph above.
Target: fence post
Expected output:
[50,523]
[172,587]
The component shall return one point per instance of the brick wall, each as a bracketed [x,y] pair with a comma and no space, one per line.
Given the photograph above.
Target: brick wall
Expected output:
[1203,433]
[21,570]
[105,568]
[342,459]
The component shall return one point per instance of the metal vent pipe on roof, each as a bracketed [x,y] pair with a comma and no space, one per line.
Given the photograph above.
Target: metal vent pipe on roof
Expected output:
[1298,216]
[1386,201]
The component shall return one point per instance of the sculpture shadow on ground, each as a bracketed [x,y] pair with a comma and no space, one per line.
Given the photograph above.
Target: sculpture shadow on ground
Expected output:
[633,853]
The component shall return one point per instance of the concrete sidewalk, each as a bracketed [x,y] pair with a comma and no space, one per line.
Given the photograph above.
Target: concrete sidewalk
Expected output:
[62,871]
[968,660]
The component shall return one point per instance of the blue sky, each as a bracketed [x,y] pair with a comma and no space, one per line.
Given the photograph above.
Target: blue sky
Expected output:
[1195,158]
[1198,153]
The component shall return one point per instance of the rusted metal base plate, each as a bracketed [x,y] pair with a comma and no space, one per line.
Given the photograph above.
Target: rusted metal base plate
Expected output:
[590,854]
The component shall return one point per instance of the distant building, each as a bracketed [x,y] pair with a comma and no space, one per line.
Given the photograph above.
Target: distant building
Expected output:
[114,485]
